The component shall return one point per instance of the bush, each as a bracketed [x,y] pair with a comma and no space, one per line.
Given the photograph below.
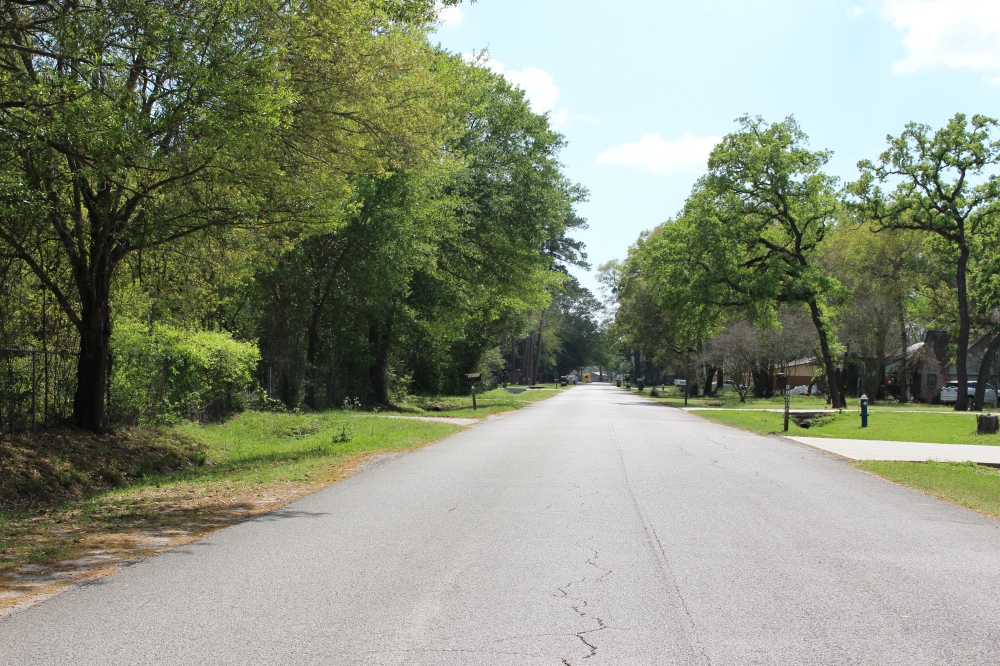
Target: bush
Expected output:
[168,373]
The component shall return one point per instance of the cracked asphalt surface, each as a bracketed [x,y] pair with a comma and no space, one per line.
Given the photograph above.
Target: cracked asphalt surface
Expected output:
[591,528]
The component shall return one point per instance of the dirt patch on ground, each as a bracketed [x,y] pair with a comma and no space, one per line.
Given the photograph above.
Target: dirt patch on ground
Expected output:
[63,464]
[43,551]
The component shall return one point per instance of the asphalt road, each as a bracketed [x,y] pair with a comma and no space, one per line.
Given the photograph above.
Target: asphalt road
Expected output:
[592,528]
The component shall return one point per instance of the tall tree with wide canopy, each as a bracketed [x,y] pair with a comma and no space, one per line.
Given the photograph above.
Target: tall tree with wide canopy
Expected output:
[123,125]
[943,183]
[750,234]
[128,125]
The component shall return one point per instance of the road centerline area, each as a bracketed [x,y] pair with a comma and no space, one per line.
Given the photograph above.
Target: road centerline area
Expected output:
[592,528]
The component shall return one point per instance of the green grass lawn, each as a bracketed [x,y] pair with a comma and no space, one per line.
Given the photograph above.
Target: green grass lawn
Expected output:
[260,447]
[492,402]
[730,400]
[973,486]
[944,428]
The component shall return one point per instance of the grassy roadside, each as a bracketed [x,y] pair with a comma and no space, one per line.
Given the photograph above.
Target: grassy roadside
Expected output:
[969,485]
[75,506]
[489,403]
[898,427]
[77,524]
[972,486]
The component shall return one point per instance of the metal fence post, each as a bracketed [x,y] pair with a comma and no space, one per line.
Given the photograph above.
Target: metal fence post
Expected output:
[34,388]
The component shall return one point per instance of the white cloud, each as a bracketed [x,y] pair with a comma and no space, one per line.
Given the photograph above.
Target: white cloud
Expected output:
[538,85]
[451,15]
[947,33]
[854,11]
[655,154]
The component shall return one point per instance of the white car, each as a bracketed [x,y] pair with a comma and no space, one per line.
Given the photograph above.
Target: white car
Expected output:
[949,394]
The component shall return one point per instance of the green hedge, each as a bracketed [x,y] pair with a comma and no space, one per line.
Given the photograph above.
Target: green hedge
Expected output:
[166,373]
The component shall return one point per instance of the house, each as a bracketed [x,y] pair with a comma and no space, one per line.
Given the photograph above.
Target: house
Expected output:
[930,365]
[801,372]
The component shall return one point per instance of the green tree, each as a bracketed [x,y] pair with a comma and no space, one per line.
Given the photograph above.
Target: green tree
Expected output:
[883,270]
[130,125]
[942,186]
[750,235]
[121,125]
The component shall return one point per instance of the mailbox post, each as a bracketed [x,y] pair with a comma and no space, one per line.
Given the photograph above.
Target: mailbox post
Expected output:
[864,411]
[683,383]
[473,377]
[782,381]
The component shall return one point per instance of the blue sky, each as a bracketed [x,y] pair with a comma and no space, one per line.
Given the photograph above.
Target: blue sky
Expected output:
[642,89]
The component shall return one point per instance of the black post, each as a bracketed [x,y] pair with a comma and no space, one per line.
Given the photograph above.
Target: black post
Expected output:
[473,397]
[787,401]
[34,389]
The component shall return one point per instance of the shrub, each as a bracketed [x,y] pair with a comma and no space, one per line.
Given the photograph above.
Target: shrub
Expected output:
[168,373]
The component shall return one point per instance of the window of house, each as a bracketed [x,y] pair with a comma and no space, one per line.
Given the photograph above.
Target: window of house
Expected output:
[931,380]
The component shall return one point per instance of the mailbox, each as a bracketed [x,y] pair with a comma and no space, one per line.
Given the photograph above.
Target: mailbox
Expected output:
[781,382]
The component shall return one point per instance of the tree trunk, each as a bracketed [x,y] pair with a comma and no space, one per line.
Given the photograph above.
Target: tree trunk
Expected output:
[962,356]
[513,357]
[538,352]
[526,357]
[902,366]
[312,351]
[709,375]
[718,383]
[836,397]
[92,367]
[984,371]
[378,340]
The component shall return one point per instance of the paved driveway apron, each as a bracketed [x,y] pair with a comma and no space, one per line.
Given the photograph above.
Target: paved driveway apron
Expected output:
[592,528]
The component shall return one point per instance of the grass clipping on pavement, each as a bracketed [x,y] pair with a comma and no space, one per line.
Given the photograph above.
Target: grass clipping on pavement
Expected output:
[76,506]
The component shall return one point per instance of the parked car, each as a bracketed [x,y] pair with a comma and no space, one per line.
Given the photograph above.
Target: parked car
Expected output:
[729,385]
[798,390]
[949,394]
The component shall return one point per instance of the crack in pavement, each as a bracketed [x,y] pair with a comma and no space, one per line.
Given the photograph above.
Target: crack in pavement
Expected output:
[582,604]
[660,551]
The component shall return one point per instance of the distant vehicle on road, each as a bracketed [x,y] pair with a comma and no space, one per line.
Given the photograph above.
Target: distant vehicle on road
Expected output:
[949,394]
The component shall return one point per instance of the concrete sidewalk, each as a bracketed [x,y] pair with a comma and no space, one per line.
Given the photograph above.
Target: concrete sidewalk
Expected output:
[867,449]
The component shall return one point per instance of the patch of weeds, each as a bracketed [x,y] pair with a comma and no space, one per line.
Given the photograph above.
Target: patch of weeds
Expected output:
[46,552]
[301,430]
[342,436]
[807,421]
